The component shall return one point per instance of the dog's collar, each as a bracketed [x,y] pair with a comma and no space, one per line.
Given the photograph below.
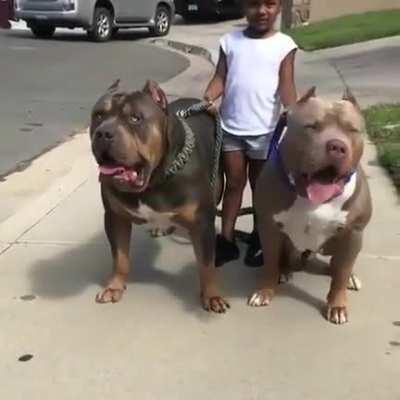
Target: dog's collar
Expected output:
[274,156]
[183,156]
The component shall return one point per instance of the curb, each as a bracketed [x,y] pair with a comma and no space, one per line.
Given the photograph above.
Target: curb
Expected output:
[25,164]
[186,48]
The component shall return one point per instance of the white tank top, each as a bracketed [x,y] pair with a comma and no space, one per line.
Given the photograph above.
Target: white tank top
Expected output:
[251,103]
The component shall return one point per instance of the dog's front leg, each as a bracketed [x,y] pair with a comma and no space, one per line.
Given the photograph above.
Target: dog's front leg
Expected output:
[118,230]
[203,238]
[342,262]
[272,243]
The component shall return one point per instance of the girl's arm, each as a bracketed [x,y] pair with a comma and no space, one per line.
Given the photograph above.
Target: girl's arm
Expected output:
[215,88]
[287,87]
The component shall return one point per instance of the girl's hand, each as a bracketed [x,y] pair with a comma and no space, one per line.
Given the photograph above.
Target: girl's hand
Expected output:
[211,106]
[215,88]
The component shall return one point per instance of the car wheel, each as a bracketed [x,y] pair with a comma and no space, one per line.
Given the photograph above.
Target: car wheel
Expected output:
[102,28]
[42,31]
[162,22]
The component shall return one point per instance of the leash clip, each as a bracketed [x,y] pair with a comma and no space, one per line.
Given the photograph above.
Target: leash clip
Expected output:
[182,114]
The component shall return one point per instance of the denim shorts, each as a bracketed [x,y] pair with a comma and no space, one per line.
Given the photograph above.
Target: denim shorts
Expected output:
[255,146]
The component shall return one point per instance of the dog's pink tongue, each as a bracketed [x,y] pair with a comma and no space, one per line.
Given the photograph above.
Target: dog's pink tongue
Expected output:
[319,193]
[109,171]
[125,174]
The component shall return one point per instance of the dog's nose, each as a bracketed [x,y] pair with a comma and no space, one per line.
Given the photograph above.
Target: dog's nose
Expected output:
[104,135]
[336,149]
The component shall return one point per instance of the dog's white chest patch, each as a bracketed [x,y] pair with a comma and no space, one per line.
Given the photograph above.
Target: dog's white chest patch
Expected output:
[154,218]
[309,226]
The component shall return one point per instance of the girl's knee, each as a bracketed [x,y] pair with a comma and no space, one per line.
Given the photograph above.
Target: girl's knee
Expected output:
[235,184]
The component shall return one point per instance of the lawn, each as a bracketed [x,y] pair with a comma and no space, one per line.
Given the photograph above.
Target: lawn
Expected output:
[348,29]
[383,125]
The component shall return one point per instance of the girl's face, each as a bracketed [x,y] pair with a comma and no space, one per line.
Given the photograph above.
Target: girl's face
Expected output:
[261,14]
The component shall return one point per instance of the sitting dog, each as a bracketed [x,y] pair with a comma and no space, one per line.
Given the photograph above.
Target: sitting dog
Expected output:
[153,168]
[313,196]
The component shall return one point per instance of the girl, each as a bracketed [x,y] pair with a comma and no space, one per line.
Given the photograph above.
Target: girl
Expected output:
[254,75]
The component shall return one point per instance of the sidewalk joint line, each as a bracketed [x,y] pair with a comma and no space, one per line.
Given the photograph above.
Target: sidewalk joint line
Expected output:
[48,212]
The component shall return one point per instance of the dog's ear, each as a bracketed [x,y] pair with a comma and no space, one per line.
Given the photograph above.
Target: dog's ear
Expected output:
[310,93]
[349,96]
[114,87]
[157,94]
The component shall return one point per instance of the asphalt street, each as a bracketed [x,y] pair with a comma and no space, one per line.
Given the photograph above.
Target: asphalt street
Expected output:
[47,87]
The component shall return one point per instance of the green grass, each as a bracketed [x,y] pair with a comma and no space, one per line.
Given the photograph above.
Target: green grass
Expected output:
[383,126]
[346,30]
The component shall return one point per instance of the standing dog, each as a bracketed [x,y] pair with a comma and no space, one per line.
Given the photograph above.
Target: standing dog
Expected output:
[151,170]
[313,196]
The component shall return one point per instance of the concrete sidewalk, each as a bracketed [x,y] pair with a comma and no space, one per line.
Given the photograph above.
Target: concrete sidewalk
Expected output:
[157,343]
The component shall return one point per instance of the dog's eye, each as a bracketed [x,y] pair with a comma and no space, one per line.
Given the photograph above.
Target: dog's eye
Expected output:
[314,126]
[352,129]
[98,116]
[134,119]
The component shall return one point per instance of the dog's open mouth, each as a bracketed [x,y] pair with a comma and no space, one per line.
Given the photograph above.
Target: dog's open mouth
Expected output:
[135,177]
[323,185]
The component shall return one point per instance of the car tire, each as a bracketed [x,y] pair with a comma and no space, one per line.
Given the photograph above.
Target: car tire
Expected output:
[114,32]
[102,28]
[42,31]
[162,22]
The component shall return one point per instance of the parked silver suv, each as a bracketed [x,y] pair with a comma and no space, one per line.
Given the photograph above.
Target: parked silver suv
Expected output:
[100,18]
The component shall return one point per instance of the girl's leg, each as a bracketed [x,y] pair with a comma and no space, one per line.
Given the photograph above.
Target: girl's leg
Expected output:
[254,257]
[235,168]
[255,168]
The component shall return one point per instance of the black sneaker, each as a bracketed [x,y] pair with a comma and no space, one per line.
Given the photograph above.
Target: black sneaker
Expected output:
[254,255]
[225,251]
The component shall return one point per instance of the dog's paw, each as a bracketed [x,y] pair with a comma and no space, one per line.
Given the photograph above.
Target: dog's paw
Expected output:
[109,295]
[113,292]
[157,231]
[336,309]
[261,298]
[337,315]
[354,283]
[216,304]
